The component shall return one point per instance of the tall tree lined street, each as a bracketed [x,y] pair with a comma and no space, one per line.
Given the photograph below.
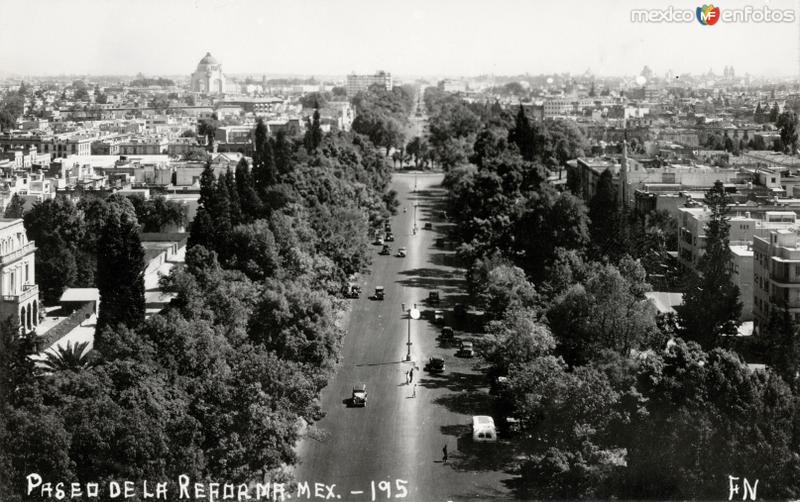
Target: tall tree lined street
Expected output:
[397,436]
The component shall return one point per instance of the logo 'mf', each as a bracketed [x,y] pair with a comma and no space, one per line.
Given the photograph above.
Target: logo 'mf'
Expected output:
[708,15]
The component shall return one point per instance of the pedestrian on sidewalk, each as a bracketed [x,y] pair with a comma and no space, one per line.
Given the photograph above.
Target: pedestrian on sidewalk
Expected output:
[406,377]
[444,454]
[411,375]
[415,391]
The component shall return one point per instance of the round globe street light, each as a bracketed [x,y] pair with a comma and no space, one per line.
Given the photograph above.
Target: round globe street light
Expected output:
[412,314]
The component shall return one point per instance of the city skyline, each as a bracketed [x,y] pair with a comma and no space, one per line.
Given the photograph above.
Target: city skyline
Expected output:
[414,38]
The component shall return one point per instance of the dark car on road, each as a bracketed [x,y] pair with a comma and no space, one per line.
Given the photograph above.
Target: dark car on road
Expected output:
[379,292]
[386,251]
[435,365]
[433,297]
[448,335]
[466,350]
[428,226]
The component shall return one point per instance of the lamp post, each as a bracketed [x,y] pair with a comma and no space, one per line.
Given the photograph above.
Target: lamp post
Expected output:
[412,314]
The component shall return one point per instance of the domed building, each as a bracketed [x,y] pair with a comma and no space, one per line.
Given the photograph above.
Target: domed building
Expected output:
[208,77]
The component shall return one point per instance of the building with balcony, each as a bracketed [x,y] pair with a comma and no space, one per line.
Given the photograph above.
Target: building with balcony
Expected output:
[776,274]
[19,294]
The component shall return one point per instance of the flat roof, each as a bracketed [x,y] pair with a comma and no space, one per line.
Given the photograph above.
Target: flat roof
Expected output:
[80,295]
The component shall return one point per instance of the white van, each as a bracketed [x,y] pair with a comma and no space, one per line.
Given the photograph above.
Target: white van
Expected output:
[483,429]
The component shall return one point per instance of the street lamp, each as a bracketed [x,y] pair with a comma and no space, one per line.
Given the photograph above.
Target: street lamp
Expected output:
[412,314]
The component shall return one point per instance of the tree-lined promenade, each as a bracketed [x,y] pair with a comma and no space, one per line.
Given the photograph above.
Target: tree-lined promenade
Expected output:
[615,401]
[220,384]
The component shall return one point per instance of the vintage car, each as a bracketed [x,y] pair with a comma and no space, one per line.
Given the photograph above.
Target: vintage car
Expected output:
[466,350]
[352,291]
[386,251]
[401,252]
[428,226]
[390,237]
[448,335]
[379,292]
[433,297]
[435,365]
[359,397]
[438,317]
[378,240]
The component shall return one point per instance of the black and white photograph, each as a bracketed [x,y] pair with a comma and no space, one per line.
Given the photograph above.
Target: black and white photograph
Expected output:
[418,250]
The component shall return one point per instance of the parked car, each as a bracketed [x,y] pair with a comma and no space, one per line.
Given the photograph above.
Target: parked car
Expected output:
[379,292]
[359,397]
[483,429]
[448,335]
[378,240]
[386,251]
[466,350]
[433,297]
[438,317]
[435,365]
[387,226]
[352,291]
[460,311]
[390,237]
[428,226]
[401,252]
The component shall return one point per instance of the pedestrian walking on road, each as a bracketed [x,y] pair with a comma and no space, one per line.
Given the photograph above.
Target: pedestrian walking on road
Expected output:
[444,454]
[411,375]
[406,377]
[414,394]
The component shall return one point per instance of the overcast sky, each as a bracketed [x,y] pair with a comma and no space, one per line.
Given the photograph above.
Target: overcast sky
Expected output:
[405,37]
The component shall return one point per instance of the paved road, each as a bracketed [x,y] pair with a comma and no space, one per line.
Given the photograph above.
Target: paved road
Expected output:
[396,436]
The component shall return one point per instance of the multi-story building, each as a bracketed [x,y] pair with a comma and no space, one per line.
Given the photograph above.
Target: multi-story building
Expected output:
[358,83]
[19,294]
[776,274]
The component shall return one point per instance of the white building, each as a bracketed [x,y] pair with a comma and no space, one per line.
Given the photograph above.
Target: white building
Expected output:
[208,77]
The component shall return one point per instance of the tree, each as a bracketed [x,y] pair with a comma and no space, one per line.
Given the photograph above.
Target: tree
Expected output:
[313,136]
[711,304]
[522,135]
[120,274]
[774,113]
[264,172]
[250,202]
[15,208]
[58,231]
[606,312]
[189,133]
[606,218]
[787,123]
[70,358]
[503,288]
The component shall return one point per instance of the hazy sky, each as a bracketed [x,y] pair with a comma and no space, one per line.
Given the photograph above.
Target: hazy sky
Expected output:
[405,37]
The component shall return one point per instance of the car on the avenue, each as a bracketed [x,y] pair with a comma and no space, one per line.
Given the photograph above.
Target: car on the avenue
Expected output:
[378,240]
[466,350]
[386,251]
[433,297]
[390,237]
[428,226]
[448,335]
[401,252]
[435,365]
[352,291]
[438,317]
[483,429]
[379,292]
[359,396]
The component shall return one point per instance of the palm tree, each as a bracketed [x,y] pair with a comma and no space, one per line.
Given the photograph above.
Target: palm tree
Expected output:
[70,358]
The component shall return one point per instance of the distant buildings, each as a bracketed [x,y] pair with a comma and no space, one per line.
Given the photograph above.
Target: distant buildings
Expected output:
[358,83]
